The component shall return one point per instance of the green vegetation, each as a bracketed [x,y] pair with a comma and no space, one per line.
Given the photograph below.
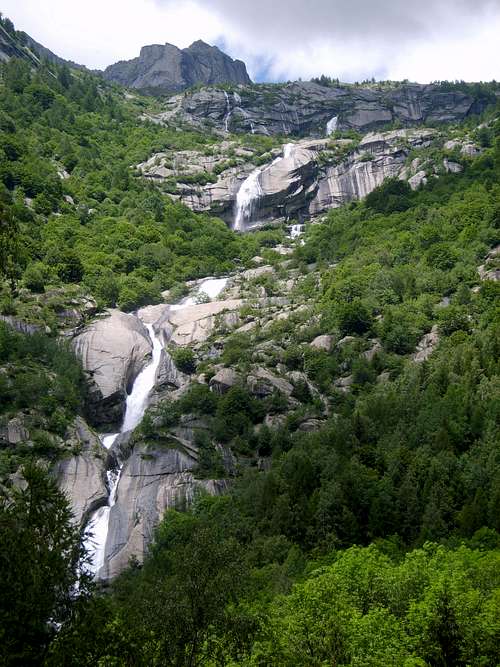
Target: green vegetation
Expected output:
[41,563]
[72,209]
[372,536]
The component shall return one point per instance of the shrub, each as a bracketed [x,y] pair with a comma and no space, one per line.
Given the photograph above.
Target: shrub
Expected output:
[184,359]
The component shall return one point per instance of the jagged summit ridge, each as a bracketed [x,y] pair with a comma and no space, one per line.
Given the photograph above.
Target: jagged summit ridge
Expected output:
[166,68]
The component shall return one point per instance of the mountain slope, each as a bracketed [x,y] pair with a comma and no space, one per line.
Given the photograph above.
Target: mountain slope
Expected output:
[166,68]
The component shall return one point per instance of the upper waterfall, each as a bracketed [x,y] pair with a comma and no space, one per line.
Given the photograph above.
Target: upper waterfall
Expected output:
[251,191]
[331,126]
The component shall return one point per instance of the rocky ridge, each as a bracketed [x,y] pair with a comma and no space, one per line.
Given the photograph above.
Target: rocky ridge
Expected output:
[302,109]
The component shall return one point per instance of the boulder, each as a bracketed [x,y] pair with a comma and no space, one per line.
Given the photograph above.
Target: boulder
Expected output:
[262,383]
[344,384]
[452,167]
[168,375]
[324,342]
[418,179]
[371,353]
[222,381]
[113,351]
[426,345]
[14,431]
[251,274]
[194,324]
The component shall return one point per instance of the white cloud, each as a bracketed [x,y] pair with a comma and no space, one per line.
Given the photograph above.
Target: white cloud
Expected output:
[98,33]
[351,39]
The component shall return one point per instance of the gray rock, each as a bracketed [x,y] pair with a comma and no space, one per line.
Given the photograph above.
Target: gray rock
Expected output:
[113,351]
[164,68]
[168,375]
[452,167]
[14,431]
[222,381]
[375,349]
[311,425]
[344,384]
[426,345]
[262,383]
[152,481]
[346,341]
[308,179]
[304,108]
[490,270]
[418,179]
[324,342]
[82,477]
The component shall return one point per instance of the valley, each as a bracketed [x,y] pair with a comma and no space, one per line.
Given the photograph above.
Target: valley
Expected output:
[249,348]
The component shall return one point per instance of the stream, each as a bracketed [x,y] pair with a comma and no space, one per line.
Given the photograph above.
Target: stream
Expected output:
[136,405]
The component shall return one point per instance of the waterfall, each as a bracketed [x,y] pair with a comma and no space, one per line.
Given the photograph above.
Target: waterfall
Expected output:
[331,126]
[247,196]
[251,190]
[135,408]
[228,112]
[136,405]
[296,231]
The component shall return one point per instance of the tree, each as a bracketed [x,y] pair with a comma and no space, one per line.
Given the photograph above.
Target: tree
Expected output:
[9,245]
[41,561]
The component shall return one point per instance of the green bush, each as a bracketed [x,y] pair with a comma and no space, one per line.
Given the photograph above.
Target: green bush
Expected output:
[184,359]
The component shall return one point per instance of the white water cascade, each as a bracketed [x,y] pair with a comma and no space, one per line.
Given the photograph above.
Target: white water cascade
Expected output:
[296,231]
[251,191]
[136,405]
[227,117]
[135,408]
[331,126]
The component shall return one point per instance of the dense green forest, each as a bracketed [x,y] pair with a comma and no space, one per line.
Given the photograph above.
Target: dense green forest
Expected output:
[374,541]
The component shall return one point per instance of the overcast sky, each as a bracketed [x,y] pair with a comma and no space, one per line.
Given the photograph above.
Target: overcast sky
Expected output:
[422,40]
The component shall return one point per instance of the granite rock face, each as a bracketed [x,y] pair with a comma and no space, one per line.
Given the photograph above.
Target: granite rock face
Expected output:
[153,480]
[113,351]
[304,108]
[162,68]
[311,176]
[82,477]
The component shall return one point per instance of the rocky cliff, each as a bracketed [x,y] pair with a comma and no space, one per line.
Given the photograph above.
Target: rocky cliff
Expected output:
[165,68]
[305,178]
[305,108]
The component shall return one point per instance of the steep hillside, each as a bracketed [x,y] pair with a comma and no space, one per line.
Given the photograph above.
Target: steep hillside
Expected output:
[230,413]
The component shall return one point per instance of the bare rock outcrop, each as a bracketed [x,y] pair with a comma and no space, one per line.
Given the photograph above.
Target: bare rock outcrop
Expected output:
[82,476]
[162,68]
[153,480]
[427,345]
[113,351]
[305,108]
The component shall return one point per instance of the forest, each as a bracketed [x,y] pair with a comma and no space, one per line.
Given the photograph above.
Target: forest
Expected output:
[372,541]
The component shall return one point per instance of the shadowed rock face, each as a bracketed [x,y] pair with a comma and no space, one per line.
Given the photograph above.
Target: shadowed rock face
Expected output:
[305,108]
[153,480]
[162,68]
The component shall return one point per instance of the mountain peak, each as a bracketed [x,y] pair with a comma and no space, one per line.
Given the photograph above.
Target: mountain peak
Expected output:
[165,68]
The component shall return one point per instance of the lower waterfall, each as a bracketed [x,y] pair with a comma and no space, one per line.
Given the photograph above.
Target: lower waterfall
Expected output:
[135,408]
